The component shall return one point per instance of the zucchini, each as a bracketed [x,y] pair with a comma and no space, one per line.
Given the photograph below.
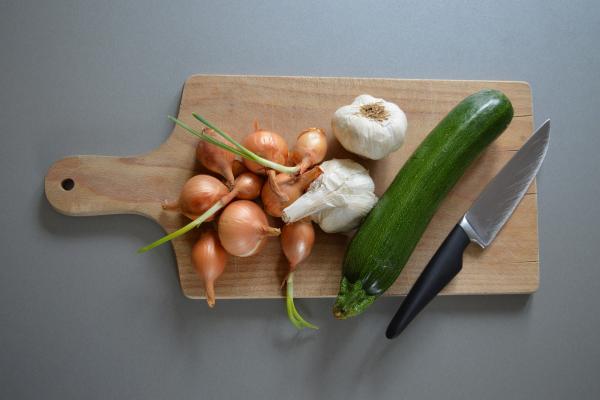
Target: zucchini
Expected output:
[391,231]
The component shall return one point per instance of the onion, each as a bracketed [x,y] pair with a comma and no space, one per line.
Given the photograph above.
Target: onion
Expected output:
[243,228]
[238,167]
[297,240]
[310,148]
[274,141]
[209,259]
[198,194]
[246,186]
[270,146]
[291,187]
[214,158]
[266,144]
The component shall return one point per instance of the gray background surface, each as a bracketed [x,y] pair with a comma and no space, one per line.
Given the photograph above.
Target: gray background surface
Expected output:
[83,316]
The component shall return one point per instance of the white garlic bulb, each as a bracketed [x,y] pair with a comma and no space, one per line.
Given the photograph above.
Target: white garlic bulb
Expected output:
[370,127]
[337,200]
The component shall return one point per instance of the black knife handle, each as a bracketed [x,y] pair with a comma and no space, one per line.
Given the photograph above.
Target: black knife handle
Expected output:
[442,268]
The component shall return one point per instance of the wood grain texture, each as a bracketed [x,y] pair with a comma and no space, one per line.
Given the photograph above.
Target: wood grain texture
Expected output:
[137,185]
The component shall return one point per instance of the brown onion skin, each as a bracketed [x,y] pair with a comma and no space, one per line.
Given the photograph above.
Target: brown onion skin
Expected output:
[209,259]
[273,203]
[297,240]
[248,186]
[214,158]
[198,194]
[238,168]
[291,186]
[267,144]
[243,228]
[310,148]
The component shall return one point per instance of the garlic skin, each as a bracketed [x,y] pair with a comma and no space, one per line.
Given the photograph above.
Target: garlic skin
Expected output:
[338,200]
[370,127]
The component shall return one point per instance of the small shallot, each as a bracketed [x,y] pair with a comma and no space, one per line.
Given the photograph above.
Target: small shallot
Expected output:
[214,158]
[198,194]
[297,240]
[238,167]
[238,149]
[310,148]
[270,146]
[291,188]
[246,186]
[209,259]
[265,144]
[244,228]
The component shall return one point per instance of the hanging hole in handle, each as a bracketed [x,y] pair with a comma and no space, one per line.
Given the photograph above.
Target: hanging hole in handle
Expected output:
[67,184]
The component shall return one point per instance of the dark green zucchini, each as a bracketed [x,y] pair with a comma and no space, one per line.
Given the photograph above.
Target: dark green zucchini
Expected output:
[389,234]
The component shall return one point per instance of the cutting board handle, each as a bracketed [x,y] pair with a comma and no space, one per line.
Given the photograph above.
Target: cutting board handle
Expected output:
[101,185]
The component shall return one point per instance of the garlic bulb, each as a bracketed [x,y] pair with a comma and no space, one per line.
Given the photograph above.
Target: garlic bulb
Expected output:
[370,127]
[337,200]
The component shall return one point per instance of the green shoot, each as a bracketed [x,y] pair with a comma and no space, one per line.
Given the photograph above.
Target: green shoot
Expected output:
[206,138]
[238,149]
[220,132]
[293,314]
[195,223]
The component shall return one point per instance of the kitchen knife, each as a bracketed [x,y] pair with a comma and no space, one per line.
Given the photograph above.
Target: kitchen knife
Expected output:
[480,225]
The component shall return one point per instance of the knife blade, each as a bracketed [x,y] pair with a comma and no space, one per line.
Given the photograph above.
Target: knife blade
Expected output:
[480,225]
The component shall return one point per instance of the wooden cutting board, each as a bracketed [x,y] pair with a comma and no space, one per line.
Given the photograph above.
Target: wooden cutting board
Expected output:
[138,184]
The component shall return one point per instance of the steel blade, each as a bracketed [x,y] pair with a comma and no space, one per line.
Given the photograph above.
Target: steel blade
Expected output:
[497,202]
